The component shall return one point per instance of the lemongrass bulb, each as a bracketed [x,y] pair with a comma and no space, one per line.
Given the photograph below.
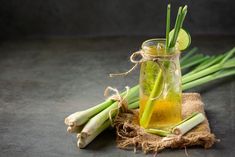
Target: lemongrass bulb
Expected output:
[189,124]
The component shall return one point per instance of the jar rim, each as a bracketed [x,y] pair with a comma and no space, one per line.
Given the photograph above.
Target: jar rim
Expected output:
[153,39]
[160,40]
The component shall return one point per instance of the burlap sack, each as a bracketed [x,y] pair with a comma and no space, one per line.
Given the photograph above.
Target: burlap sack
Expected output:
[131,136]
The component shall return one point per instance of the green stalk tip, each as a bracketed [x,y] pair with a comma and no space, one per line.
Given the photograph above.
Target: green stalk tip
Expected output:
[168,25]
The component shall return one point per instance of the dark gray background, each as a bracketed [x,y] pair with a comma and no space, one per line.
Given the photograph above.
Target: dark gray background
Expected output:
[89,18]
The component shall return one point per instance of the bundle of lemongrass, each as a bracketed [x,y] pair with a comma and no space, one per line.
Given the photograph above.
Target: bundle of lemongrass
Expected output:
[89,123]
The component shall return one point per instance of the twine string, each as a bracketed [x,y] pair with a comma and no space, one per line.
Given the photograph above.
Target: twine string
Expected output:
[121,100]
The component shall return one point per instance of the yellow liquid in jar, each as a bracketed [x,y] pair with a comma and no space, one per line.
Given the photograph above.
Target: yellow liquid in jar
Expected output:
[166,112]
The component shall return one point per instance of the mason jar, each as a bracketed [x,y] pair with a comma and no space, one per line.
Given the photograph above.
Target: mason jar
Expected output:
[160,86]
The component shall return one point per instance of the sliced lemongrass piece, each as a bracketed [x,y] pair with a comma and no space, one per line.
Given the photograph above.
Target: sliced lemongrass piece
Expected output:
[158,132]
[187,118]
[188,124]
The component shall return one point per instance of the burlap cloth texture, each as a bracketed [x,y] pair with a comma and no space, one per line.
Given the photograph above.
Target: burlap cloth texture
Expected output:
[131,136]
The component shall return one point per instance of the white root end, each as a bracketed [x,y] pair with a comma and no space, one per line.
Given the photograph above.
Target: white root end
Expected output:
[83,140]
[74,119]
[177,131]
[81,144]
[69,122]
[74,129]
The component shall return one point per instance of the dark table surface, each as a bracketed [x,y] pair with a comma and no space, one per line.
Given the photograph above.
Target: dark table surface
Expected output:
[43,81]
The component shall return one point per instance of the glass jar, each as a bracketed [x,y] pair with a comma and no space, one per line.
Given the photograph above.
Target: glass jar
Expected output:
[160,86]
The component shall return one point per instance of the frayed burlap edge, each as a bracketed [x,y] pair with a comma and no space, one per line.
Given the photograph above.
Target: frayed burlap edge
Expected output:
[131,136]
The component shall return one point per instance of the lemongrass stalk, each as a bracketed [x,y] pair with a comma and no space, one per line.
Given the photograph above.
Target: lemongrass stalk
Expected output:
[188,55]
[146,116]
[229,54]
[184,12]
[230,63]
[209,70]
[177,24]
[188,124]
[158,132]
[207,61]
[134,105]
[85,139]
[224,73]
[184,120]
[200,74]
[96,121]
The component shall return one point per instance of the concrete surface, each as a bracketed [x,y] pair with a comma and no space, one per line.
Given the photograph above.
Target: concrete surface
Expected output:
[43,81]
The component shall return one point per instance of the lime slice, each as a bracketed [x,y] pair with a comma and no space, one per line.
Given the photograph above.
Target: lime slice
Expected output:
[183,40]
